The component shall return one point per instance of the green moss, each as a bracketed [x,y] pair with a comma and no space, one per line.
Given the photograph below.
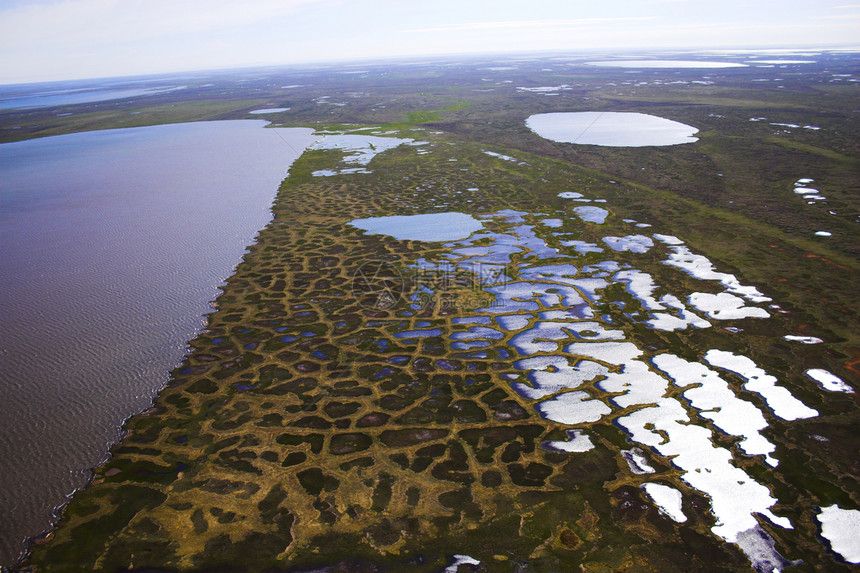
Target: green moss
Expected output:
[81,545]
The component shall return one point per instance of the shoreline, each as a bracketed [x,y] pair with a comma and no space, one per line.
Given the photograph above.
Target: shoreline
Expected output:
[142,362]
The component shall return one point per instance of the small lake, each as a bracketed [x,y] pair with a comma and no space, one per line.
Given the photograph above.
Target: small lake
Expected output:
[611,129]
[112,245]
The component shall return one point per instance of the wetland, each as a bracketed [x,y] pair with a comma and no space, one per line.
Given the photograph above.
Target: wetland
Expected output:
[461,345]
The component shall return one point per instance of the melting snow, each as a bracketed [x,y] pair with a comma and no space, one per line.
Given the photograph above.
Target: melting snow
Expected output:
[668,239]
[499,156]
[700,267]
[635,458]
[577,441]
[841,527]
[803,339]
[582,247]
[725,306]
[632,243]
[461,560]
[715,401]
[591,214]
[778,399]
[829,381]
[667,499]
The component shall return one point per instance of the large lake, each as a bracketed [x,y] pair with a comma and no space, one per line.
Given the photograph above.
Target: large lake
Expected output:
[112,245]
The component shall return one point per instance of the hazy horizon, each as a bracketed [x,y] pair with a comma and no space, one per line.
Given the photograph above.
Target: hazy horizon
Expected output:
[715,52]
[56,40]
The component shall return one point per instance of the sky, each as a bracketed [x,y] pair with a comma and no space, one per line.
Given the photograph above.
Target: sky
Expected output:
[47,40]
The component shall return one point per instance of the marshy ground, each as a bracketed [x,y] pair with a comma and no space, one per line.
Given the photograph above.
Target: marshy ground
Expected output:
[305,430]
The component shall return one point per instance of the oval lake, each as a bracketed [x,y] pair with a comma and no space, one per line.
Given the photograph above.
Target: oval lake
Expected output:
[611,129]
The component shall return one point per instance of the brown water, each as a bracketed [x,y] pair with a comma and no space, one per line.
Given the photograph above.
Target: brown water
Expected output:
[112,245]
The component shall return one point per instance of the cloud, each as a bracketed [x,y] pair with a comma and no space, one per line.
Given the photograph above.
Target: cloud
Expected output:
[525,25]
[59,39]
[837,16]
[99,22]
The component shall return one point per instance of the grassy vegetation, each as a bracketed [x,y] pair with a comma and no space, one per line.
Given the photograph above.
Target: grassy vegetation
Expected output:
[301,432]
[806,148]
